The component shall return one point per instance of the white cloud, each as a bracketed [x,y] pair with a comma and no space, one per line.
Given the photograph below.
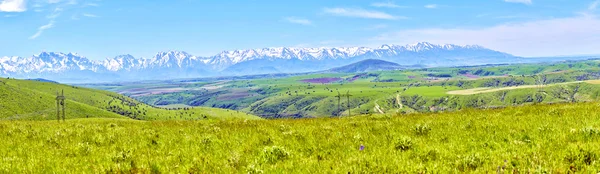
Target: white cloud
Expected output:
[53,1]
[91,5]
[387,5]
[431,6]
[42,29]
[9,16]
[559,36]
[519,1]
[57,11]
[13,6]
[360,13]
[90,15]
[591,9]
[593,5]
[300,21]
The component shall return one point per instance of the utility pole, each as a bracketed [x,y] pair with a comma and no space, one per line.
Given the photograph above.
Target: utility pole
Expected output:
[348,95]
[338,110]
[60,101]
[339,96]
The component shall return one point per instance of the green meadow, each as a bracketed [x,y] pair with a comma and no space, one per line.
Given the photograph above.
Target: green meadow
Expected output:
[562,138]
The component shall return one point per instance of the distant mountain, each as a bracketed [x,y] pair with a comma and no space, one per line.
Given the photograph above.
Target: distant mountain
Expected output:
[368,65]
[71,67]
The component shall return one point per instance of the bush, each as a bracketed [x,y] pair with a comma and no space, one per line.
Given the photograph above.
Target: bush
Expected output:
[403,144]
[470,162]
[580,156]
[431,155]
[590,132]
[274,154]
[421,129]
[253,169]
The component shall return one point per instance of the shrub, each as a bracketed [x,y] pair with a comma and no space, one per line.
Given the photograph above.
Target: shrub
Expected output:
[590,131]
[122,156]
[253,169]
[431,155]
[274,154]
[579,156]
[421,129]
[403,144]
[470,162]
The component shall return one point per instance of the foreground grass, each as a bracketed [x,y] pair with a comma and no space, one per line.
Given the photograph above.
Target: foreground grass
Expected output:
[538,138]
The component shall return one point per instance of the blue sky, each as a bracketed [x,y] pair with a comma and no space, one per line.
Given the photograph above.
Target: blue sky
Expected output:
[105,28]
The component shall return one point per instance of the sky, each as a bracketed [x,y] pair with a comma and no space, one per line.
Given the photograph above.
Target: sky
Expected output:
[100,29]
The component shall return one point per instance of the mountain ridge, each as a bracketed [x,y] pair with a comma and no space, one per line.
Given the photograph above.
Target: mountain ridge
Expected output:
[180,64]
[368,65]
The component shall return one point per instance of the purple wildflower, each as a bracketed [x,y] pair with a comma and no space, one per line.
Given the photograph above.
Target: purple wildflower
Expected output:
[362,147]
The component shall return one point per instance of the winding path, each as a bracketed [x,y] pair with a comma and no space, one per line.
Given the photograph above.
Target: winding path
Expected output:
[488,90]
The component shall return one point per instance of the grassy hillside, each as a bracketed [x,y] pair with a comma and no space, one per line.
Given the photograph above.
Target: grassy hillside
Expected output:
[562,138]
[399,91]
[35,100]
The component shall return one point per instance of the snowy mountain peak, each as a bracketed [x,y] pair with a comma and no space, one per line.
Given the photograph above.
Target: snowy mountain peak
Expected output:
[275,59]
[122,62]
[385,47]
[173,55]
[474,47]
[421,46]
[172,59]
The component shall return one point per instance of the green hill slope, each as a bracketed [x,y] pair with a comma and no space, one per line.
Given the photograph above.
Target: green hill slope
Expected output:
[35,100]
[560,138]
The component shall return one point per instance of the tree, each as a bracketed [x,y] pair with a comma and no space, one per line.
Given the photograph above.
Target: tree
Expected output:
[502,96]
[566,93]
[539,97]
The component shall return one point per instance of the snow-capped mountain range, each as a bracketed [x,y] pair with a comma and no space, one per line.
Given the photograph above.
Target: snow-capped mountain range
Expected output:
[178,64]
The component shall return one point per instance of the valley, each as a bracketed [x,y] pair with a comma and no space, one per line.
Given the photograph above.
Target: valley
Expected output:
[372,92]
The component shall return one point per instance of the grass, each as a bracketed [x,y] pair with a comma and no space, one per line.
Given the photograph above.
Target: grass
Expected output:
[537,138]
[33,100]
[100,135]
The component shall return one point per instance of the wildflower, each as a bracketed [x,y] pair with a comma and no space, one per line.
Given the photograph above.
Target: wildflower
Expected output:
[362,147]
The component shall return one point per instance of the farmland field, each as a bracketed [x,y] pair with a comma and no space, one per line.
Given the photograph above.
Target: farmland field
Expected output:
[488,90]
[594,81]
